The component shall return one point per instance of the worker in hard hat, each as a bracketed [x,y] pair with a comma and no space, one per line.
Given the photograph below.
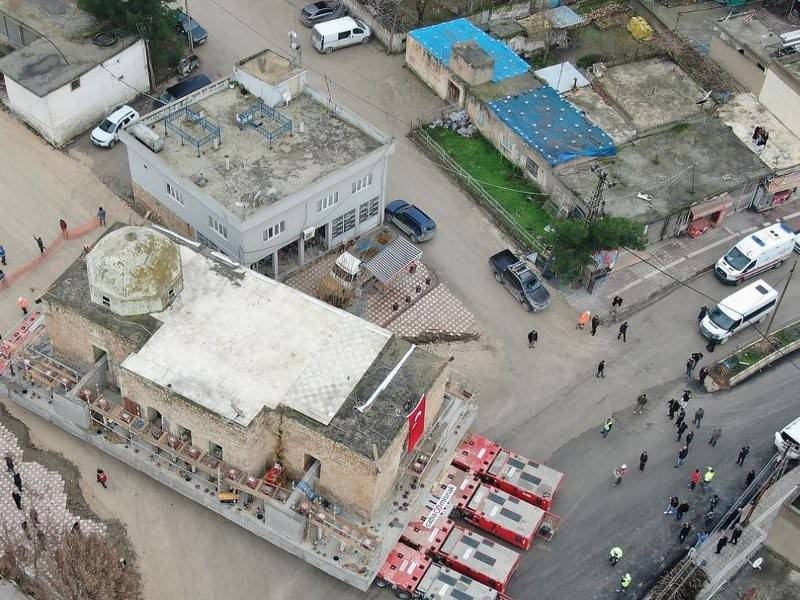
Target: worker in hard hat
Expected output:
[583,320]
[625,582]
[708,477]
[615,555]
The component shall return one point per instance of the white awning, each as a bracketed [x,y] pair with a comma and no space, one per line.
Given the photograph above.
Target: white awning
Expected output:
[390,261]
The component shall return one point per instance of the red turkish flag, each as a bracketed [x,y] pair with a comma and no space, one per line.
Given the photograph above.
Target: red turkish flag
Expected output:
[416,424]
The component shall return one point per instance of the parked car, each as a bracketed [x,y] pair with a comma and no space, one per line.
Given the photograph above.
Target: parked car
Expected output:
[106,134]
[788,440]
[518,279]
[345,31]
[186,24]
[410,220]
[319,12]
[179,90]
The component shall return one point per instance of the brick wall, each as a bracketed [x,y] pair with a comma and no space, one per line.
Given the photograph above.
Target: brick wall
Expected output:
[160,214]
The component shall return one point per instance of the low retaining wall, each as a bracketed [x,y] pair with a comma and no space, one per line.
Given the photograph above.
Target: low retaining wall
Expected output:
[394,41]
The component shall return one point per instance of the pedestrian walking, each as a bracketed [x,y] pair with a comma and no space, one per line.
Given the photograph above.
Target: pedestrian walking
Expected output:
[689,437]
[623,332]
[687,395]
[708,477]
[101,216]
[682,509]
[701,538]
[682,454]
[102,478]
[674,501]
[735,518]
[703,374]
[595,323]
[681,429]
[601,367]
[750,478]
[2,255]
[39,243]
[614,555]
[715,435]
[619,473]
[625,583]
[698,416]
[745,450]
[723,541]
[697,356]
[533,337]
[17,499]
[25,530]
[690,365]
[696,477]
[709,518]
[22,303]
[685,529]
[673,406]
[34,517]
[703,313]
[641,401]
[616,304]
[62,224]
[122,563]
[9,463]
[642,460]
[18,481]
[607,425]
[713,502]
[736,534]
[681,416]
[711,345]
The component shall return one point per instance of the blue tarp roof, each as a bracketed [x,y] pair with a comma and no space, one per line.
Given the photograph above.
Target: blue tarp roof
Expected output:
[552,126]
[440,39]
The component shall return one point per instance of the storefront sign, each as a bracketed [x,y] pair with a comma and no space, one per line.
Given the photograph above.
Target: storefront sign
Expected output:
[440,507]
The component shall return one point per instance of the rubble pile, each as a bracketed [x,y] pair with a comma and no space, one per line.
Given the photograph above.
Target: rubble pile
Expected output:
[459,122]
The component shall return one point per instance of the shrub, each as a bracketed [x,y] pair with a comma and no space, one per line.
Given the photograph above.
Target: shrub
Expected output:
[334,293]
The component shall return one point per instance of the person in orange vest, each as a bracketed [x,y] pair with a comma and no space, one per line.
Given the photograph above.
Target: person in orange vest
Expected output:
[583,320]
[22,302]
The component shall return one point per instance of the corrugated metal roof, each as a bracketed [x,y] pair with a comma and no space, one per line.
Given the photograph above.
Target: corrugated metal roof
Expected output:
[393,259]
[440,39]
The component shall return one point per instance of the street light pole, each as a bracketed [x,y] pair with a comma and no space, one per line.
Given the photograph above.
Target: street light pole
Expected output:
[189,33]
[783,293]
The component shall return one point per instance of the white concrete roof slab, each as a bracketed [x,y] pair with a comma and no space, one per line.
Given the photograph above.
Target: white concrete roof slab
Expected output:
[562,77]
[743,113]
[235,341]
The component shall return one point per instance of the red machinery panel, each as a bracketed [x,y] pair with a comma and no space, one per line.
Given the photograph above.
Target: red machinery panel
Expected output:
[504,515]
[463,486]
[443,583]
[476,454]
[403,569]
[521,477]
[429,531]
[472,554]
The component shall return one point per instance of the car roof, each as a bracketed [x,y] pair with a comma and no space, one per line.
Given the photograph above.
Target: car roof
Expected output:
[397,204]
[120,113]
[337,25]
[188,86]
[417,214]
[742,301]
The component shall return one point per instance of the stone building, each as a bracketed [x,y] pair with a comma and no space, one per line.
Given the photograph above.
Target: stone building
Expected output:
[238,365]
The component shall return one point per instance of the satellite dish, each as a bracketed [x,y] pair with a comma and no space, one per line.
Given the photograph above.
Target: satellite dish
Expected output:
[756,564]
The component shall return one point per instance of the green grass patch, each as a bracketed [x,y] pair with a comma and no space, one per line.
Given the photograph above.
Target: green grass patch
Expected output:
[483,162]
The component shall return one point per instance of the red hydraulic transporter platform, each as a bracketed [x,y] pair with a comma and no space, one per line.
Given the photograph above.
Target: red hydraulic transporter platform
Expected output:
[512,473]
[403,570]
[443,583]
[428,532]
[472,554]
[504,515]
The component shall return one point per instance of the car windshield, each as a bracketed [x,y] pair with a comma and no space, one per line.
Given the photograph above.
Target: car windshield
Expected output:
[720,319]
[736,259]
[787,438]
[529,282]
[107,126]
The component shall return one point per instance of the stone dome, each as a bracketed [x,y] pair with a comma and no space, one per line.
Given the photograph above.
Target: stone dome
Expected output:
[134,270]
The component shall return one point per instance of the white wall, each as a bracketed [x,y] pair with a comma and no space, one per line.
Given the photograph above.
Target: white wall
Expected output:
[64,113]
[781,99]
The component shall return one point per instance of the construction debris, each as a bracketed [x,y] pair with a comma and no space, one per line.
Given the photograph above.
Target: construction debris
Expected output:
[459,122]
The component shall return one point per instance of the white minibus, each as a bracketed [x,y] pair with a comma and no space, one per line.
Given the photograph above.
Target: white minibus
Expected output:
[739,310]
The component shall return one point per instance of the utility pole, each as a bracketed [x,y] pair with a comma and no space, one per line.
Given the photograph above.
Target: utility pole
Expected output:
[596,203]
[189,33]
[778,305]
[693,179]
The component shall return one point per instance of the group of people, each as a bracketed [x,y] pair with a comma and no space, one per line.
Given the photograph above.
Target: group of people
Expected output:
[16,495]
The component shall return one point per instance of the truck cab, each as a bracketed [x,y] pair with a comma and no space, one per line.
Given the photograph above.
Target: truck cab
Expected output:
[520,280]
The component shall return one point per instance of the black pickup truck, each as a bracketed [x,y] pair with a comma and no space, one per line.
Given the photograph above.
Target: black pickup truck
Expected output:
[523,284]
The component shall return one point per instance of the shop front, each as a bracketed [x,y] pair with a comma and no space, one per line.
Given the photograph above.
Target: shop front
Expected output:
[776,191]
[708,214]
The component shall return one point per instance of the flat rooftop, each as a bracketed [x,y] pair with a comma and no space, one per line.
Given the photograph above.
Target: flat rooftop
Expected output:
[652,93]
[39,67]
[660,166]
[742,112]
[592,104]
[749,32]
[235,342]
[261,172]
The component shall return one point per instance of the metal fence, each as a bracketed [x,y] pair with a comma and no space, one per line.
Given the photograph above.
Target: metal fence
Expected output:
[505,219]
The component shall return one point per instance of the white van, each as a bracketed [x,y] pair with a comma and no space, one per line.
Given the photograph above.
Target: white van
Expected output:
[756,253]
[789,436]
[339,33]
[739,310]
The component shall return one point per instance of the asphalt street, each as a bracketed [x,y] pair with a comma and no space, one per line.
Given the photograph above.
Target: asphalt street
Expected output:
[546,402]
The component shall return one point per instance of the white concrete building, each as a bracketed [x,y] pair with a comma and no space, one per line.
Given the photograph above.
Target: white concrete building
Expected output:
[57,79]
[261,167]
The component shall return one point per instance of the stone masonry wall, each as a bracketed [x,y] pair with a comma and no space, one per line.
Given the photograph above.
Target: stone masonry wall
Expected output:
[160,214]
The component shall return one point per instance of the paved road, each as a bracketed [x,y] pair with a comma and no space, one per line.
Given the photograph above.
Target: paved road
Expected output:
[545,402]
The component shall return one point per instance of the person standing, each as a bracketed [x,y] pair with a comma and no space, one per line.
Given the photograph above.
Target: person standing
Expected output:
[698,416]
[614,555]
[620,472]
[682,454]
[689,437]
[751,476]
[682,509]
[102,478]
[690,365]
[708,477]
[703,313]
[533,337]
[62,224]
[9,463]
[101,216]
[17,499]
[641,401]
[2,255]
[697,356]
[623,332]
[681,416]
[616,304]
[736,534]
[642,460]
[681,429]
[715,435]
[703,374]
[595,323]
[22,303]
[607,425]
[18,481]
[674,501]
[701,538]
[673,406]
[625,583]
[723,541]
[713,502]
[697,476]
[601,367]
[687,395]
[685,529]
[745,450]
